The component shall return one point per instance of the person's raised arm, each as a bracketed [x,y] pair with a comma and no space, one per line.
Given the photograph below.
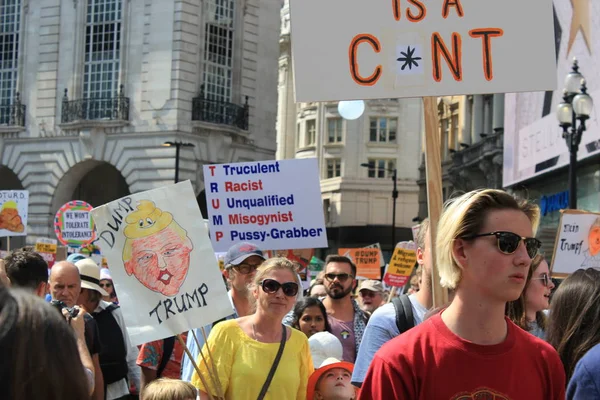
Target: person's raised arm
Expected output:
[78,325]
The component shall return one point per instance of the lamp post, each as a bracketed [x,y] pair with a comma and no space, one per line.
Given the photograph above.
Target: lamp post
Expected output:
[177,146]
[371,166]
[577,105]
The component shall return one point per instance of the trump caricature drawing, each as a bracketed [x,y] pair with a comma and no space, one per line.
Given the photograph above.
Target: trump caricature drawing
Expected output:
[157,249]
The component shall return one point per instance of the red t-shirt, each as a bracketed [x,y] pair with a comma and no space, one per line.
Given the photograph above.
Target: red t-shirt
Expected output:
[429,362]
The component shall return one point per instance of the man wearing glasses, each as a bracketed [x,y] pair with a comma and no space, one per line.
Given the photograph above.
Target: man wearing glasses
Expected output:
[241,262]
[345,317]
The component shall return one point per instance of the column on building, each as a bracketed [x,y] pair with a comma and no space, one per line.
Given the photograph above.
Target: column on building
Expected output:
[498,113]
[477,118]
[465,132]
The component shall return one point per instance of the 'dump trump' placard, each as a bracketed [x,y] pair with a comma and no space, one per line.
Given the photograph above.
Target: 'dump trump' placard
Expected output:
[162,262]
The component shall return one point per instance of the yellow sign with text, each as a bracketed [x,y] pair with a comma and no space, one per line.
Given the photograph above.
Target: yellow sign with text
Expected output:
[45,248]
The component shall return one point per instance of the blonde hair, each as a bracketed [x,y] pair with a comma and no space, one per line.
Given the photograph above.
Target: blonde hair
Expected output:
[464,216]
[169,389]
[276,263]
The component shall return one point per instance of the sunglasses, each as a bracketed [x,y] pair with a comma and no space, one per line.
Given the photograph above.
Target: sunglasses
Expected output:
[508,242]
[290,289]
[544,278]
[341,277]
[105,285]
[245,269]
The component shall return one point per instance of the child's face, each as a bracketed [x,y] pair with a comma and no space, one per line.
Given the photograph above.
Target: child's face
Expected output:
[335,384]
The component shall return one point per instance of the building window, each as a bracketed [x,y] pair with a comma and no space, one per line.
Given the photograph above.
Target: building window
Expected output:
[102,48]
[218,50]
[10,27]
[381,168]
[383,130]
[311,132]
[334,130]
[334,168]
[298,135]
[327,210]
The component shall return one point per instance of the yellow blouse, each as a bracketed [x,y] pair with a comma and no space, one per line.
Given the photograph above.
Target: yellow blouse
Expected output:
[244,363]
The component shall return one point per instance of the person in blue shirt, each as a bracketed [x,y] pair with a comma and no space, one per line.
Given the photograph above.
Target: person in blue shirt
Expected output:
[585,382]
[241,262]
[382,325]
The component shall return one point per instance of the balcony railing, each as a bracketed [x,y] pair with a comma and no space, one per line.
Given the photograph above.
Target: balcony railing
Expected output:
[13,114]
[220,112]
[97,108]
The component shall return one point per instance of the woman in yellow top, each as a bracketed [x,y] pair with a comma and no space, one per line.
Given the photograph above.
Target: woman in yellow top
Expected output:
[244,349]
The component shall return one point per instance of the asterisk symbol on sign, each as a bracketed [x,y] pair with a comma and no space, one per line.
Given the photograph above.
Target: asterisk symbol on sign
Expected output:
[408,58]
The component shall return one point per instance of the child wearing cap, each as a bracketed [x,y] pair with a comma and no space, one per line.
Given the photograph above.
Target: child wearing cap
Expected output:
[331,381]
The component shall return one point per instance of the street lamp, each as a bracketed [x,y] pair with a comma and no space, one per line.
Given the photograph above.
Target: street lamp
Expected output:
[371,166]
[577,105]
[177,145]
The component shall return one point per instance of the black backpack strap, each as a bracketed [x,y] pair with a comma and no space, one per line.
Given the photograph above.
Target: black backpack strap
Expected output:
[168,345]
[404,314]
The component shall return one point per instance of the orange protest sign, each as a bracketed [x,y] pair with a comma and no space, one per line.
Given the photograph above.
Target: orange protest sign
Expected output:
[401,265]
[367,260]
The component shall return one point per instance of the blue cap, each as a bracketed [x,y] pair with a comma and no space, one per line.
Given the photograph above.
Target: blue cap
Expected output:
[240,252]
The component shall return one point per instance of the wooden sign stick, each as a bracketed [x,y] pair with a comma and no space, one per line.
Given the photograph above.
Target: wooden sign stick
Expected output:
[433,171]
[189,354]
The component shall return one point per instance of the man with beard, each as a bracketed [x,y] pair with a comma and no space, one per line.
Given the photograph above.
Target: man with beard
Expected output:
[241,262]
[345,317]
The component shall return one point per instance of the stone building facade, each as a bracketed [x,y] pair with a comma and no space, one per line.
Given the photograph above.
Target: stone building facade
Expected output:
[90,90]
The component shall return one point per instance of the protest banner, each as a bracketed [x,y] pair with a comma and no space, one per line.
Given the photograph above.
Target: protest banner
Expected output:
[377,246]
[401,265]
[275,204]
[392,48]
[47,248]
[367,261]
[162,263]
[13,212]
[577,242]
[74,225]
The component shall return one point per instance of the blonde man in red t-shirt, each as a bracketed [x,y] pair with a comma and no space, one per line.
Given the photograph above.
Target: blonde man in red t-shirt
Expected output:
[470,350]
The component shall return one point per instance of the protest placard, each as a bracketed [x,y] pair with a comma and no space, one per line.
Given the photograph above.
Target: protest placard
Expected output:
[275,204]
[162,263]
[367,261]
[401,265]
[392,48]
[577,242]
[47,248]
[13,212]
[74,225]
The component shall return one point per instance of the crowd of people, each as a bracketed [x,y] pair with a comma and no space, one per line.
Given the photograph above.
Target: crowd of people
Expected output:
[507,332]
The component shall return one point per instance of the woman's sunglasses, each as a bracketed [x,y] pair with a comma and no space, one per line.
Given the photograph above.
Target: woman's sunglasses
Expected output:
[290,289]
[508,242]
[544,278]
[105,285]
